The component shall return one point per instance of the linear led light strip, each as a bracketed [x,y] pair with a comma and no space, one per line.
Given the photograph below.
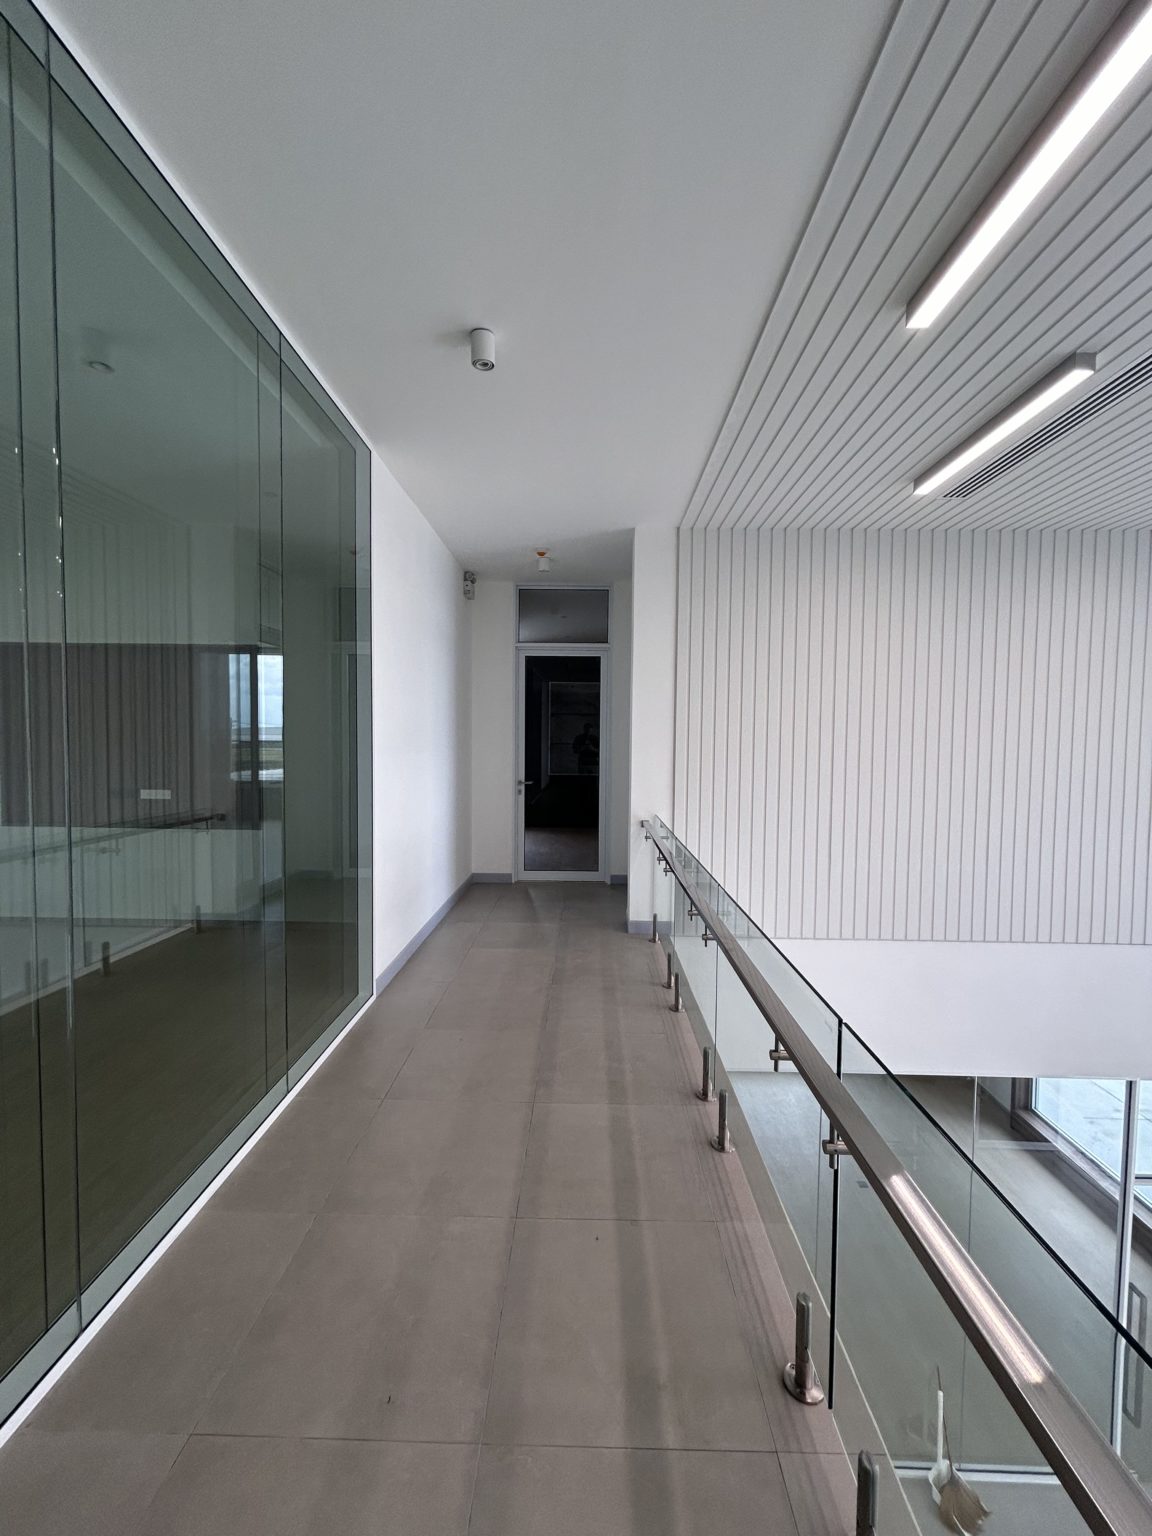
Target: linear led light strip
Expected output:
[1119,67]
[1066,377]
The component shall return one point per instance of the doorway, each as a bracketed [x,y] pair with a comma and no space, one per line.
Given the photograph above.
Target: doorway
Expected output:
[560,800]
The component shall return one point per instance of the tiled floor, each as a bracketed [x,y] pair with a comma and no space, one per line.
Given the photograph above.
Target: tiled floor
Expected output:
[484,1276]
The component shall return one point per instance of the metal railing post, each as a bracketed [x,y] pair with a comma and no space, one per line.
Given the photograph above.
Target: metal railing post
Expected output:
[866,1482]
[722,1141]
[705,1090]
[800,1372]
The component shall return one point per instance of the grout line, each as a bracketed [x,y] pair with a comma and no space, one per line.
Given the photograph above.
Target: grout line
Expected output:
[511,1246]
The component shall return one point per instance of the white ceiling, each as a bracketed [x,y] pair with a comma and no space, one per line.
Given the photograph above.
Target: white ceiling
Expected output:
[841,406]
[615,187]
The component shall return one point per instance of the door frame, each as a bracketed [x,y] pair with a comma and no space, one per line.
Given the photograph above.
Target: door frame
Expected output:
[601,872]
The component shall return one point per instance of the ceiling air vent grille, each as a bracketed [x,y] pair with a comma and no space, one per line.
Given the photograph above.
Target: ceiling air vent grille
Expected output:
[1131,379]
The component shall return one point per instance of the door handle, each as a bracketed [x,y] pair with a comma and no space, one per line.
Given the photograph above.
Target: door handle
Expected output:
[523,783]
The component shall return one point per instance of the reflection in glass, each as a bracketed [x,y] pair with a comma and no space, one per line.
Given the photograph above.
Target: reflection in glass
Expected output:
[201,536]
[162,550]
[325,571]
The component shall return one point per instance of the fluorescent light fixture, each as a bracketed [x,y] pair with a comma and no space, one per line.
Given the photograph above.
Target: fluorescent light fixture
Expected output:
[1075,117]
[1073,371]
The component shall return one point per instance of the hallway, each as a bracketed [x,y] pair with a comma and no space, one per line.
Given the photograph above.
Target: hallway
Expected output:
[482,1276]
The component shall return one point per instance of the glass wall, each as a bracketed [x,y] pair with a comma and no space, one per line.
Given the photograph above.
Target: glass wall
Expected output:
[185,900]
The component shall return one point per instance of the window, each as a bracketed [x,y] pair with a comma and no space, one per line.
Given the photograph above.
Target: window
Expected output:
[563,616]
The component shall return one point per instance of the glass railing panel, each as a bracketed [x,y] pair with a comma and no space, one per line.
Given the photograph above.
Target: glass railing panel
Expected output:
[1049,1298]
[778,1123]
[663,899]
[941,1173]
[1053,1148]
[901,1347]
[695,962]
[1075,1335]
[1134,1405]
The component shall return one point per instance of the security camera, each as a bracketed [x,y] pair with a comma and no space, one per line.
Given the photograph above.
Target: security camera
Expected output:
[483,350]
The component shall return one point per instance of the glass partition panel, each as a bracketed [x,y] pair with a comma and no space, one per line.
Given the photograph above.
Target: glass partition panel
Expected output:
[160,696]
[37,1173]
[325,562]
[40,781]
[162,499]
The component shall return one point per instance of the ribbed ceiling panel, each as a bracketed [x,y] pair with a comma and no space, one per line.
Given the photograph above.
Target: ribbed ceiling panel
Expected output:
[841,406]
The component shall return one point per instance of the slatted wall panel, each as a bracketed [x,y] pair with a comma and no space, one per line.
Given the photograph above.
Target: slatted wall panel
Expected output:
[921,735]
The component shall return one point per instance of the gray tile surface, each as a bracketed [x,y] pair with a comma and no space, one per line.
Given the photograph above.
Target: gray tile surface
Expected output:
[295,1163]
[622,1333]
[601,1061]
[382,1328]
[458,1157]
[524,931]
[483,1278]
[225,1486]
[532,1490]
[99,1483]
[623,1162]
[497,1066]
[155,1363]
[822,1492]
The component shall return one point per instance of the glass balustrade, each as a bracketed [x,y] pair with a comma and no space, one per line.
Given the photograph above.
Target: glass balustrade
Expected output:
[907,1379]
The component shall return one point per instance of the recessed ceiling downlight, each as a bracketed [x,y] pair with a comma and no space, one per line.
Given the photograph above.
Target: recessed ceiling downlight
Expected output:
[98,365]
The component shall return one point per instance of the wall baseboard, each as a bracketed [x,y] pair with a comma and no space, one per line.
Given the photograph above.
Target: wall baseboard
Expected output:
[414,943]
[638,925]
[491,879]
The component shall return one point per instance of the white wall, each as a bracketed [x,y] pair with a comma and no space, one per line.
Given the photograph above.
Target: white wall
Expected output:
[494,726]
[1012,1010]
[929,736]
[650,787]
[923,762]
[421,712]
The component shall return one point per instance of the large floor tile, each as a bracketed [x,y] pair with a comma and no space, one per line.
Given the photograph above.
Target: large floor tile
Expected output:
[474,905]
[154,1365]
[526,1491]
[450,1158]
[382,1328]
[622,1334]
[368,1059]
[518,934]
[822,1491]
[491,1008]
[508,970]
[603,1061]
[439,957]
[615,1161]
[252,1486]
[295,1163]
[94,1482]
[496,1066]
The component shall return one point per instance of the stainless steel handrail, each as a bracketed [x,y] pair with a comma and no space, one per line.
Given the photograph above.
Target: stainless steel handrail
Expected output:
[1101,1487]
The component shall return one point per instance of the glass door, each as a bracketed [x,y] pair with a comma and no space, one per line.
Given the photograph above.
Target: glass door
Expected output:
[560,788]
